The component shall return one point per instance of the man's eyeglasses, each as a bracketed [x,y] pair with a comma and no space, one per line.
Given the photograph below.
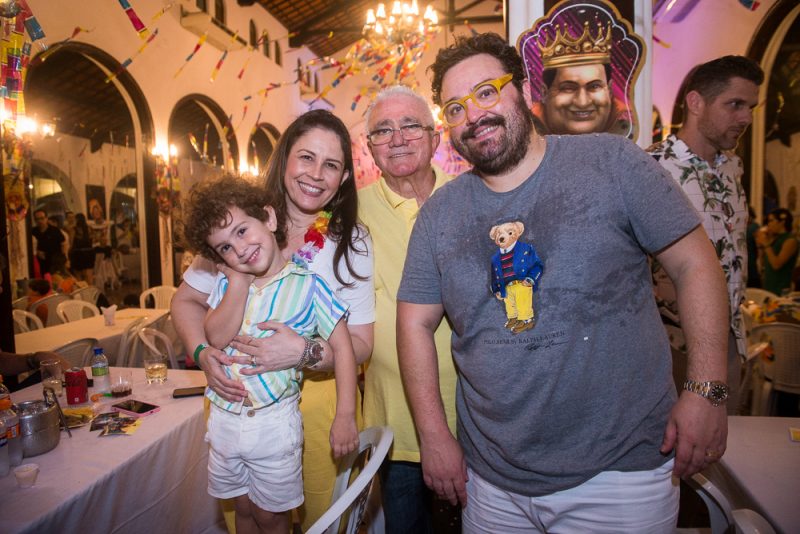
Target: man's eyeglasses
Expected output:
[485,96]
[410,132]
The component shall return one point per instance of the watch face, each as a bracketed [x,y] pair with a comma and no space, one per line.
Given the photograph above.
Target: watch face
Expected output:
[718,392]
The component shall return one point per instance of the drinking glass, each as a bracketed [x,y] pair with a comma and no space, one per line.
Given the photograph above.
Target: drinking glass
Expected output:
[155,368]
[52,375]
[121,383]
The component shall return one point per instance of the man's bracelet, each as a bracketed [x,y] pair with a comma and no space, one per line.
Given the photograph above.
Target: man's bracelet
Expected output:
[197,351]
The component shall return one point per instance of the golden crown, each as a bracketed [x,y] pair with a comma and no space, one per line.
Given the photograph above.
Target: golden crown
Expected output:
[565,51]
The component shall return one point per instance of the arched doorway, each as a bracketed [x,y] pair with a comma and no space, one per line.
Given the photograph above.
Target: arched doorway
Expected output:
[204,146]
[260,147]
[97,137]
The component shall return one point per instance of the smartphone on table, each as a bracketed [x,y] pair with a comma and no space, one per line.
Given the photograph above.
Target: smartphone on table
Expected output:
[135,408]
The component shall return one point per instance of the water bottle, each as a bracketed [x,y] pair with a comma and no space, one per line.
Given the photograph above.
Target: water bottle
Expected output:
[4,465]
[102,380]
[14,440]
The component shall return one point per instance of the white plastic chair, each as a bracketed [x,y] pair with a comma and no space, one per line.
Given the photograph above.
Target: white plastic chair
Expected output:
[52,302]
[20,303]
[75,310]
[783,374]
[162,295]
[353,496]
[25,321]
[88,293]
[724,520]
[151,338]
[759,296]
[78,352]
[128,348]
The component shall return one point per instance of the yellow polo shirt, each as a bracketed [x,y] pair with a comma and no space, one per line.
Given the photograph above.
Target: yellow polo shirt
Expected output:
[390,219]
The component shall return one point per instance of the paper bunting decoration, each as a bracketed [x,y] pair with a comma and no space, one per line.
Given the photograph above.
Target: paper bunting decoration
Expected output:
[222,59]
[136,22]
[46,54]
[163,10]
[124,65]
[752,5]
[197,47]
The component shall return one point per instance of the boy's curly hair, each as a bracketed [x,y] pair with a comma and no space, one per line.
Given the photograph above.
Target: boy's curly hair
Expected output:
[209,208]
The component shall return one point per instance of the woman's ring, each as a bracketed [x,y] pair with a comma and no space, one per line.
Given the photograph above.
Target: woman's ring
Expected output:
[253,363]
[712,454]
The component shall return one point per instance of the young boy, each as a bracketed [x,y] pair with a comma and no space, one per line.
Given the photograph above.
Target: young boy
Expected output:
[256,446]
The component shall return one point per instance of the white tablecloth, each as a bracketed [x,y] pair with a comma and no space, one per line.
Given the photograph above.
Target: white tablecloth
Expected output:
[761,469]
[150,482]
[56,336]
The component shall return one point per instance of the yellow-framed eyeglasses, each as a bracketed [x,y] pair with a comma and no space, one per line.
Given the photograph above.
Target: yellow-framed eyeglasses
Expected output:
[485,96]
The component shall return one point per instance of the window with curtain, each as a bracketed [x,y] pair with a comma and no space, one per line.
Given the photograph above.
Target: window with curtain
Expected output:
[253,34]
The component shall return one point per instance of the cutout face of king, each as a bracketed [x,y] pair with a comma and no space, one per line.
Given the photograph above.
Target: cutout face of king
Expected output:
[577,99]
[576,82]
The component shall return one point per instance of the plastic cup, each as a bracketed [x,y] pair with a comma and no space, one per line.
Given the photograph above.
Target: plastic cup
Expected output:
[52,375]
[155,368]
[26,475]
[121,383]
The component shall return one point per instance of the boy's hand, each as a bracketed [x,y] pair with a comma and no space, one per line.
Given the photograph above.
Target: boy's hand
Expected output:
[344,435]
[234,276]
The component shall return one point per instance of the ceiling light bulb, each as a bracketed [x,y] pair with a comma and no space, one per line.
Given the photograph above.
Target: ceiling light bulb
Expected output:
[397,9]
[370,17]
[381,13]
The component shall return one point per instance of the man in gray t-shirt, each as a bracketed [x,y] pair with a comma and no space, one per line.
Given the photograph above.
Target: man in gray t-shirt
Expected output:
[581,403]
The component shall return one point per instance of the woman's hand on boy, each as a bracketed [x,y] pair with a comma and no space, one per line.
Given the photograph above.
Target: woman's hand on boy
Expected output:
[281,350]
[344,435]
[211,362]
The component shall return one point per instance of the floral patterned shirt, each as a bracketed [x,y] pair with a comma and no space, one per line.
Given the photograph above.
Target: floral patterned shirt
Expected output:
[717,193]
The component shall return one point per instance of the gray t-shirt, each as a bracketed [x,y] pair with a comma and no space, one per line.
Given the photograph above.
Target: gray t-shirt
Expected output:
[589,388]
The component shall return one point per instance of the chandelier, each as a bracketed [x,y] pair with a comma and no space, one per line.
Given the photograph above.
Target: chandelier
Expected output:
[402,26]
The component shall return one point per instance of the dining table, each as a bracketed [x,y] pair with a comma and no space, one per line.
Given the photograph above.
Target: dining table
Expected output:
[760,469]
[153,480]
[108,336]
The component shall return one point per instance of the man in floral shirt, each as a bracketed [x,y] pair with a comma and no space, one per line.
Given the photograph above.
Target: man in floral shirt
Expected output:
[718,103]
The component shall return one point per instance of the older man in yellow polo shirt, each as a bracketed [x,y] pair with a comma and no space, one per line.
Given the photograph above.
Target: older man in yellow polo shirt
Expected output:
[402,140]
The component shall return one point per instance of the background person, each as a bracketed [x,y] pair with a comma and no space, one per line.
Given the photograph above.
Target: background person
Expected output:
[779,251]
[552,418]
[82,254]
[402,140]
[49,241]
[311,171]
[718,107]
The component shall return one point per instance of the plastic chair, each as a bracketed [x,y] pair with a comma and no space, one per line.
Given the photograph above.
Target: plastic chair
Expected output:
[88,293]
[150,338]
[353,496]
[75,310]
[162,296]
[78,352]
[759,296]
[25,321]
[783,374]
[128,348]
[20,303]
[723,518]
[52,302]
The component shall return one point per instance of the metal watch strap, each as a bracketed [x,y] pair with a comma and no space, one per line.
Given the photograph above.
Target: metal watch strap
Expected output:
[708,390]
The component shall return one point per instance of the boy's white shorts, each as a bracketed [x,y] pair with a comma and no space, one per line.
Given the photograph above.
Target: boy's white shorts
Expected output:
[257,453]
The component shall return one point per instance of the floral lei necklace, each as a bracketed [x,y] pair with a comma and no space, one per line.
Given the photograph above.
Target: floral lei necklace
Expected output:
[314,238]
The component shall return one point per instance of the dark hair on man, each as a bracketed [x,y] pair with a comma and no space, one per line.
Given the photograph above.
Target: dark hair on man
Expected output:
[711,78]
[344,204]
[783,215]
[40,210]
[209,208]
[549,75]
[466,47]
[39,286]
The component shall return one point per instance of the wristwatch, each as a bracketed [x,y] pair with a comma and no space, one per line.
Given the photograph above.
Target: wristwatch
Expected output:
[715,391]
[312,354]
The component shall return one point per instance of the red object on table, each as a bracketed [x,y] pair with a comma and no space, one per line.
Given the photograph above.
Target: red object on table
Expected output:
[77,385]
